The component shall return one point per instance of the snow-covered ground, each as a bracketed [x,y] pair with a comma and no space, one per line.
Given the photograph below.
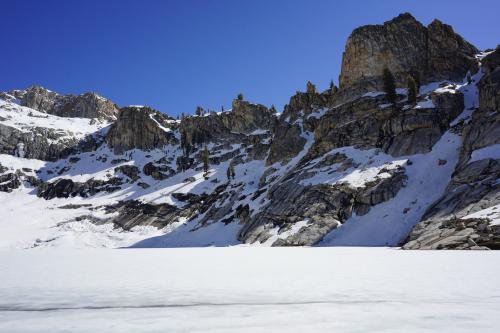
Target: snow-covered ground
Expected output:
[249,289]
[25,119]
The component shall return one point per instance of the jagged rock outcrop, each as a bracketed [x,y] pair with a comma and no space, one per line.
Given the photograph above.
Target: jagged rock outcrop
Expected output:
[158,172]
[45,143]
[131,171]
[246,117]
[65,188]
[405,46]
[489,86]
[485,126]
[9,181]
[394,128]
[87,105]
[298,115]
[304,103]
[288,142]
[243,119]
[473,186]
[133,213]
[454,233]
[379,191]
[141,128]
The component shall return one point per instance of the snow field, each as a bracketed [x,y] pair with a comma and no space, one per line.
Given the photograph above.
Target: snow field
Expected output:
[248,289]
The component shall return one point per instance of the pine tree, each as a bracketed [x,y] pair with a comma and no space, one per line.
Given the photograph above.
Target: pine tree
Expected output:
[389,85]
[412,90]
[273,109]
[240,97]
[199,111]
[230,172]
[332,85]
[469,78]
[205,158]
[416,76]
[231,168]
[222,108]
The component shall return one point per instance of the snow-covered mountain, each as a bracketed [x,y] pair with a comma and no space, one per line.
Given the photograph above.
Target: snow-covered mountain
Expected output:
[340,167]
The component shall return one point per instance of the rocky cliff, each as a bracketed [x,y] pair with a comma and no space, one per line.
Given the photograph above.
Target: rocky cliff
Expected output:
[87,105]
[404,45]
[141,128]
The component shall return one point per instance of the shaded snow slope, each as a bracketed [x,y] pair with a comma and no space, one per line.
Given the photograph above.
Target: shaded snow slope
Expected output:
[25,119]
[389,222]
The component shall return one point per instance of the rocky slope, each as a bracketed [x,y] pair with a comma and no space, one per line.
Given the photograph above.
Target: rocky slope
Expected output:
[338,167]
[461,217]
[87,105]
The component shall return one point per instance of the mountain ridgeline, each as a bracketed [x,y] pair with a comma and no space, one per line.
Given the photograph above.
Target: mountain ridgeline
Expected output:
[415,165]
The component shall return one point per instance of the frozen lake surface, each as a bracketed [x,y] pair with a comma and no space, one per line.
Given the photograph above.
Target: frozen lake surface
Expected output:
[249,289]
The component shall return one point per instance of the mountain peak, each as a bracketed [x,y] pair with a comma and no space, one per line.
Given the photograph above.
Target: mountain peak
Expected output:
[405,46]
[403,17]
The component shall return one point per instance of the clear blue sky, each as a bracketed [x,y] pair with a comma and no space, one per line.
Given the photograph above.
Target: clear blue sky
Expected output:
[174,55]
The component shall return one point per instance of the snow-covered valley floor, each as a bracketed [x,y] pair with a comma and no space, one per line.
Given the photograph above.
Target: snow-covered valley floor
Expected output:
[249,289]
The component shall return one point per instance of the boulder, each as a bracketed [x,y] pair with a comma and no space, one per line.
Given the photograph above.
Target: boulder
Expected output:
[9,182]
[158,172]
[131,171]
[454,233]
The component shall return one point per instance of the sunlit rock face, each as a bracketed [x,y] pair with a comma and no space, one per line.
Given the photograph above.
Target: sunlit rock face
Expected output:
[141,128]
[405,46]
[87,105]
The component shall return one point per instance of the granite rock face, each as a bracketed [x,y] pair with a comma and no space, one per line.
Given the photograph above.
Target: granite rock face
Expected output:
[394,128]
[45,143]
[453,233]
[133,213]
[141,128]
[65,188]
[405,46]
[234,126]
[302,109]
[87,105]
[485,129]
